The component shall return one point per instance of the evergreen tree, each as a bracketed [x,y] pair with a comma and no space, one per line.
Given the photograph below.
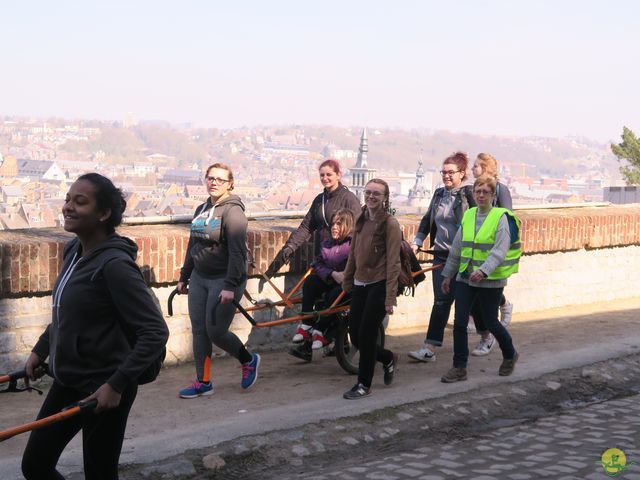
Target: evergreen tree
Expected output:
[629,150]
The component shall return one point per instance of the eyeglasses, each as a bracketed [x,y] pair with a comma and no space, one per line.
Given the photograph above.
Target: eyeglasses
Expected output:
[373,193]
[216,180]
[483,192]
[448,173]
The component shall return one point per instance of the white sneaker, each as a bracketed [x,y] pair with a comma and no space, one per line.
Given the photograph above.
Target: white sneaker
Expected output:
[303,333]
[484,346]
[423,355]
[318,340]
[505,313]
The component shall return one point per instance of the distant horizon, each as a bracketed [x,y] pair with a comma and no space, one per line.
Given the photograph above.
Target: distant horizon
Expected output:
[359,128]
[536,69]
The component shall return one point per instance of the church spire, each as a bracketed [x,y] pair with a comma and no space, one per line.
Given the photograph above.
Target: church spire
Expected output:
[363,151]
[361,173]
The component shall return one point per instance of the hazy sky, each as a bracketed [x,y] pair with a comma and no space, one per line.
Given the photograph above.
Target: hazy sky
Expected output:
[526,67]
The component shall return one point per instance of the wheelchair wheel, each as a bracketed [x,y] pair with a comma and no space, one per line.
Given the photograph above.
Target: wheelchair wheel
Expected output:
[346,353]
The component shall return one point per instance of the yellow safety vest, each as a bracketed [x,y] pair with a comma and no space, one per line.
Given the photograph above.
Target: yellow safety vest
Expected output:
[476,247]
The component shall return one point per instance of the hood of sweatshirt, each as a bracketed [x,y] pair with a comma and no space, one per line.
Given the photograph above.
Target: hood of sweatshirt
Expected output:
[113,241]
[230,201]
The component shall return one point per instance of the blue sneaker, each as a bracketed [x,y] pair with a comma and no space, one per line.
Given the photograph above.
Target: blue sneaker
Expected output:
[196,389]
[250,371]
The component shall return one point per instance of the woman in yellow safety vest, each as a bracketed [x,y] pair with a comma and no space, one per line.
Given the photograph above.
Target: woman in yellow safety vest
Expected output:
[485,252]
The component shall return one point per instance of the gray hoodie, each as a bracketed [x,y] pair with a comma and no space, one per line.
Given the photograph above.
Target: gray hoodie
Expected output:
[218,242]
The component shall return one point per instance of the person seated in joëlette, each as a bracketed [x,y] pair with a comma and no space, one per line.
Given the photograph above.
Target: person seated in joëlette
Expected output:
[323,286]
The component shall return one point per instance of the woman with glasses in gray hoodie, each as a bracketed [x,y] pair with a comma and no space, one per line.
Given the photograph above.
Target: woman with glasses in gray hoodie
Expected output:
[214,273]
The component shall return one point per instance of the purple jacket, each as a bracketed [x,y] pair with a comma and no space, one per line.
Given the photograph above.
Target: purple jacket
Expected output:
[333,258]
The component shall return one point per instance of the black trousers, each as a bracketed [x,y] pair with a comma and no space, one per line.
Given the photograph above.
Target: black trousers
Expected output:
[102,436]
[314,289]
[366,315]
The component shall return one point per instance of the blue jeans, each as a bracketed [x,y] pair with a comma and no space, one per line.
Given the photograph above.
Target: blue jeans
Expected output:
[442,307]
[487,301]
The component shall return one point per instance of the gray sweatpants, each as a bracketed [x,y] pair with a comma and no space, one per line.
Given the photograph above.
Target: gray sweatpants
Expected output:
[210,320]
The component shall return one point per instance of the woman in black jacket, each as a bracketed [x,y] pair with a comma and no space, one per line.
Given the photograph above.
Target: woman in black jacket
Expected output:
[317,221]
[105,331]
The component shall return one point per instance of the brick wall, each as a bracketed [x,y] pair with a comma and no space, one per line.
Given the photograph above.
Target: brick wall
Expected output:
[572,256]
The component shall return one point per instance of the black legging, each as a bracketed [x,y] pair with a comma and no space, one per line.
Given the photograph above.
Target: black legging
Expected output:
[367,313]
[102,436]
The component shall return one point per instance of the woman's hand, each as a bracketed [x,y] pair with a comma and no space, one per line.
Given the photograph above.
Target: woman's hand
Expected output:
[389,309]
[415,248]
[106,396]
[182,288]
[446,285]
[31,368]
[477,276]
[226,296]
[338,277]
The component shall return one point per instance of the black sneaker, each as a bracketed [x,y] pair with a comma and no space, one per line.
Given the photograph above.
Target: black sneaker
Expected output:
[358,391]
[389,369]
[303,352]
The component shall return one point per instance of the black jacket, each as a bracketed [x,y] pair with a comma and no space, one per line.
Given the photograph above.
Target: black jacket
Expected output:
[101,307]
[318,218]
[218,242]
[463,201]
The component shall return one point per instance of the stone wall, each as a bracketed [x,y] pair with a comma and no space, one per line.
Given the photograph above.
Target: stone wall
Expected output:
[572,256]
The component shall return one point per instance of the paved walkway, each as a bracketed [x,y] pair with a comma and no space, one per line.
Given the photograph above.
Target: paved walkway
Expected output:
[567,446]
[290,393]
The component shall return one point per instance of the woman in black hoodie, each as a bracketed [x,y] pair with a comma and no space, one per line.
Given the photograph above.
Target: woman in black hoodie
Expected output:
[317,222]
[215,271]
[105,331]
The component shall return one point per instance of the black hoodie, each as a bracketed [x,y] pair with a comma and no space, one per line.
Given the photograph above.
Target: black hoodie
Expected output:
[318,218]
[218,242]
[101,308]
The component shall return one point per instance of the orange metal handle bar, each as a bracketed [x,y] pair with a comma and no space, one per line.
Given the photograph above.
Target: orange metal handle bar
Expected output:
[13,376]
[294,290]
[302,317]
[428,269]
[337,300]
[262,306]
[332,309]
[300,282]
[43,422]
[277,290]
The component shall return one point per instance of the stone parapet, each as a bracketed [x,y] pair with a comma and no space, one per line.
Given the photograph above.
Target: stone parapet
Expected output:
[572,256]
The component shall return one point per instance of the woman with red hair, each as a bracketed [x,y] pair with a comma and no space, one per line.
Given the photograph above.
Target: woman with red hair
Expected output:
[317,222]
